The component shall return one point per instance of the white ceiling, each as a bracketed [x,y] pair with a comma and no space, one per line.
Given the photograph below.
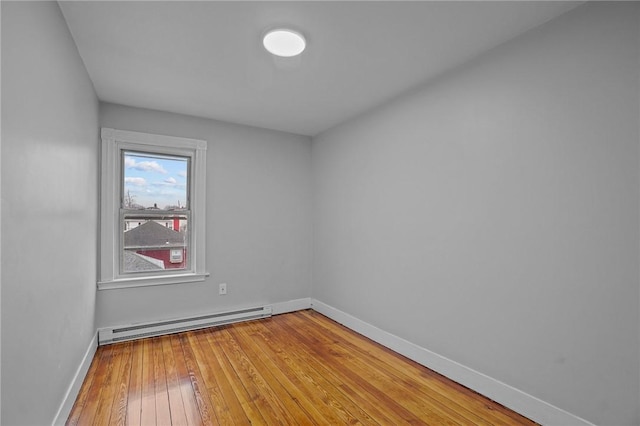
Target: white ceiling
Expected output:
[206,58]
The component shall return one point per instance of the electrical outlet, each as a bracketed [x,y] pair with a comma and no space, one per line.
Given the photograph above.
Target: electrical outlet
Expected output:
[222,289]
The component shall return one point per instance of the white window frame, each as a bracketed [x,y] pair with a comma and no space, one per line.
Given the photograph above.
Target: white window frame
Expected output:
[114,142]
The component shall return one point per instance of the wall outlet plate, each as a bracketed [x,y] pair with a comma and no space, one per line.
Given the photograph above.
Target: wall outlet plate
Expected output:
[222,288]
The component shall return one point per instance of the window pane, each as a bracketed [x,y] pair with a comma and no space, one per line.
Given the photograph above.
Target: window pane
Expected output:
[154,181]
[154,243]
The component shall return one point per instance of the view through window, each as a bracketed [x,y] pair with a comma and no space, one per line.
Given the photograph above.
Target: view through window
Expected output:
[155,212]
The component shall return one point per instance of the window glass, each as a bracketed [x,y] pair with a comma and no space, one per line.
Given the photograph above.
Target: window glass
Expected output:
[155,213]
[155,242]
[155,181]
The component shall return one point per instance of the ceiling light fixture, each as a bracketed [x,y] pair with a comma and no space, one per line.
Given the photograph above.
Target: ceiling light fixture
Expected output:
[284,42]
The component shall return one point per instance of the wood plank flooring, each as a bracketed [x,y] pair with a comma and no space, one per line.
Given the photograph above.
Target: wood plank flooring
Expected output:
[296,369]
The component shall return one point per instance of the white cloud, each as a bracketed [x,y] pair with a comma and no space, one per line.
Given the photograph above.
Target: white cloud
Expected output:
[182,174]
[144,166]
[171,180]
[137,181]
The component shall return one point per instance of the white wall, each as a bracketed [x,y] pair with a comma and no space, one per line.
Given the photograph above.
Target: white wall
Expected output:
[258,220]
[49,211]
[492,216]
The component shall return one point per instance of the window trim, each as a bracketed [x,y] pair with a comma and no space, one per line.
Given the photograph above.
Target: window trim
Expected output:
[113,143]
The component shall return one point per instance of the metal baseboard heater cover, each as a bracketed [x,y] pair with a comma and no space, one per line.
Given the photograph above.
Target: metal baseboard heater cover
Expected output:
[158,328]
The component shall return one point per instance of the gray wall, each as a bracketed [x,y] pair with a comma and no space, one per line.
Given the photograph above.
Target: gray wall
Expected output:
[492,216]
[49,211]
[258,220]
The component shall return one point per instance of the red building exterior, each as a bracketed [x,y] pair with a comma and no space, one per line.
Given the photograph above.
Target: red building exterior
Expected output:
[165,256]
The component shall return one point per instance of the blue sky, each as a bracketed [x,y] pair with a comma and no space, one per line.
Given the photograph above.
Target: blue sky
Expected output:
[155,180]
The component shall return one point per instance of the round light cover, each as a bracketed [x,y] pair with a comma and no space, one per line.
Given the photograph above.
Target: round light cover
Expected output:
[283,42]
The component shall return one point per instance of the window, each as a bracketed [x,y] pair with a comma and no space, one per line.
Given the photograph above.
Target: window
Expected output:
[152,212]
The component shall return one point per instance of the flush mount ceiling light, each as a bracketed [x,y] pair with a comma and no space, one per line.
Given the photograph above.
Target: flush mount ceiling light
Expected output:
[284,42]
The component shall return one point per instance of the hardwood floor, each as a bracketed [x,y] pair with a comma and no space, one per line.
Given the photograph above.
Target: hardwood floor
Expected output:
[299,368]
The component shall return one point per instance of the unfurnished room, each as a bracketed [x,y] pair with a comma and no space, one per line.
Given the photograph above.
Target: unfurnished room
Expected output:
[320,212]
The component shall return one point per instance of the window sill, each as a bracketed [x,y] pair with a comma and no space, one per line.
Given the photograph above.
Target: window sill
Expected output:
[151,281]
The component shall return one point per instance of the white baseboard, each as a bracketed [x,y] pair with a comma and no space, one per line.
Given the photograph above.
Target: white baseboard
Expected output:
[291,306]
[512,398]
[76,383]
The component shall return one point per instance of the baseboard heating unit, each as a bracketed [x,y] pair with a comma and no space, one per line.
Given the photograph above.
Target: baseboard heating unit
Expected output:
[158,328]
